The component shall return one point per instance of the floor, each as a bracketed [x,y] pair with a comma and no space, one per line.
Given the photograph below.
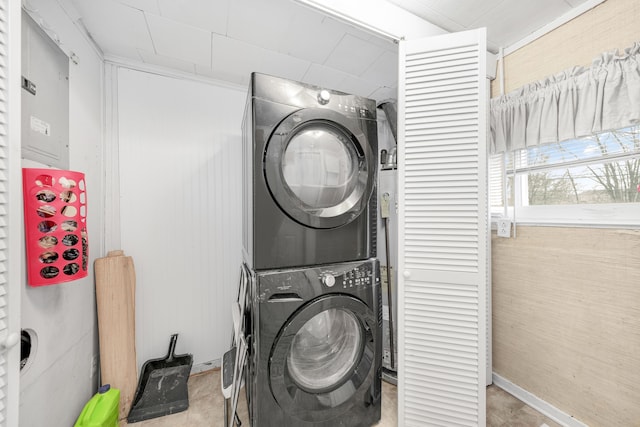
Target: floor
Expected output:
[206,408]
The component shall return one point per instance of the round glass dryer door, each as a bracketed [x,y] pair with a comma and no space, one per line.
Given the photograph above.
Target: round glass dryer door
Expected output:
[319,168]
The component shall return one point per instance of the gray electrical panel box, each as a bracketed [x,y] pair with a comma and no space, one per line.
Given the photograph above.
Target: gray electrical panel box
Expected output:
[45,98]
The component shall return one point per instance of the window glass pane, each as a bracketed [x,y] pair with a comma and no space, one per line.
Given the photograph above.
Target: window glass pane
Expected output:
[566,182]
[612,182]
[622,141]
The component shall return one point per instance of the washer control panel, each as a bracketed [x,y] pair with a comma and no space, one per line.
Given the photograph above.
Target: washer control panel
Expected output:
[355,277]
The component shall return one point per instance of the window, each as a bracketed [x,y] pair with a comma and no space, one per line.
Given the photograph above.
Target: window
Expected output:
[592,180]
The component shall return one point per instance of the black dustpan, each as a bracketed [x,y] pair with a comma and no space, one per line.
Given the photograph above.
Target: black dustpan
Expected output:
[162,389]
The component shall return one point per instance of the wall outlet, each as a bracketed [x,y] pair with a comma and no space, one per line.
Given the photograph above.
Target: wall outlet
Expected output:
[94,366]
[504,228]
[386,357]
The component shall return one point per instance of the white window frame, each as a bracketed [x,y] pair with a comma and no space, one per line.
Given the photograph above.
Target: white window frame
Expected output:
[625,215]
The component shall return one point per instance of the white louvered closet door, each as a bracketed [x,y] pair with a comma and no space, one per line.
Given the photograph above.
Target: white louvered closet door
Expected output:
[10,211]
[443,230]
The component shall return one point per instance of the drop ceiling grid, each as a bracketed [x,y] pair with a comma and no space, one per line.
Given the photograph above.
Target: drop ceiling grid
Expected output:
[286,66]
[466,12]
[383,70]
[181,41]
[235,56]
[260,23]
[353,55]
[99,18]
[357,86]
[144,5]
[285,38]
[324,76]
[209,15]
[310,39]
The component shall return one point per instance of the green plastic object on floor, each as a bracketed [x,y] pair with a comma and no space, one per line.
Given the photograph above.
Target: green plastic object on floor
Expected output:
[102,409]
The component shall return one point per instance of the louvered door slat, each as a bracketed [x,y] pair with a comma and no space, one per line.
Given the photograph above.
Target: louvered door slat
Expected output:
[10,214]
[442,164]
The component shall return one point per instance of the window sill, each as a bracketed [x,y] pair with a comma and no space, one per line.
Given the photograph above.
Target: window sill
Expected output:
[621,215]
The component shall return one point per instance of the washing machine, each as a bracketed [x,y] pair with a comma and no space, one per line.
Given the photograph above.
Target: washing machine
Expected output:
[309,168]
[315,357]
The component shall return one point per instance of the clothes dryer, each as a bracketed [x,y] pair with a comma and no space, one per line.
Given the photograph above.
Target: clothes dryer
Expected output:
[309,168]
[315,358]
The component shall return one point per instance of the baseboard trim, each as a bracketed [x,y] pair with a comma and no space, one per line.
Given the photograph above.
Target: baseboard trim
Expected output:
[536,403]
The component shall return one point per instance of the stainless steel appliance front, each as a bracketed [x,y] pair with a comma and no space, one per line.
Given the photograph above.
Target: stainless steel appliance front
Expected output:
[309,165]
[315,358]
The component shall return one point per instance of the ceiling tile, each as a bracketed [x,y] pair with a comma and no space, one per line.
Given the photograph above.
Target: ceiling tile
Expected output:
[260,22]
[427,10]
[180,41]
[384,70]
[353,55]
[320,75]
[210,15]
[235,57]
[143,5]
[281,65]
[309,37]
[165,61]
[228,39]
[101,17]
[356,86]
[465,12]
[338,26]
[530,17]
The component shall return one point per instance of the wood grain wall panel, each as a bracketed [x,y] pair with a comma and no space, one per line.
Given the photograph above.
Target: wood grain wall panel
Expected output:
[566,319]
[609,26]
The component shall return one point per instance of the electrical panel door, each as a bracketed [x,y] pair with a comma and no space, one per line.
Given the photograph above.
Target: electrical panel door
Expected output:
[45,98]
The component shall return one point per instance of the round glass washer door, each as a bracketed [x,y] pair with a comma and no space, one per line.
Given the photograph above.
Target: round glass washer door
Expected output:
[322,356]
[319,168]
[325,350]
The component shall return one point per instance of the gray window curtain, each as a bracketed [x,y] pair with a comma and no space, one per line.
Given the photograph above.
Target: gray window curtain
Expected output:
[575,103]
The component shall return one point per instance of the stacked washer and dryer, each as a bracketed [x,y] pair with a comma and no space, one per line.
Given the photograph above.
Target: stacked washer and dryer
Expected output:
[313,315]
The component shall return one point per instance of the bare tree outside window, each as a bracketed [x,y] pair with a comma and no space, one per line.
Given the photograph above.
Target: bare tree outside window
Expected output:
[620,180]
[604,168]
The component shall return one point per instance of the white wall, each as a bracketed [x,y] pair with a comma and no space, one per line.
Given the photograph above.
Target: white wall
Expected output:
[56,386]
[180,184]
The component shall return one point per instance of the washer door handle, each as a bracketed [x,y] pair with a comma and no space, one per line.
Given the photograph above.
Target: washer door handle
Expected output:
[286,297]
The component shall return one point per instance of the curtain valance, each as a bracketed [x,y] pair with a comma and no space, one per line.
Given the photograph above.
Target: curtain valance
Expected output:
[572,104]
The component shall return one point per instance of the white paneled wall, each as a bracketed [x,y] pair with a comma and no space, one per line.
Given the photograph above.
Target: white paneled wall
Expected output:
[180,176]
